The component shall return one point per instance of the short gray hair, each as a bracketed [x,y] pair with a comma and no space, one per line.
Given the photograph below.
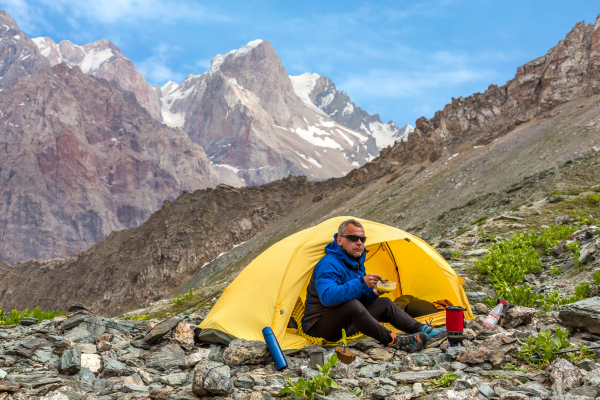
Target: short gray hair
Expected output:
[343,225]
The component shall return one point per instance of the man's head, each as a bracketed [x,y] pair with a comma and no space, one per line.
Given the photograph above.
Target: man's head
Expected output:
[353,228]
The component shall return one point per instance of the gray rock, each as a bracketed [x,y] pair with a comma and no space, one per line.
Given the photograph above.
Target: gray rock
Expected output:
[343,371]
[28,321]
[164,361]
[422,360]
[564,376]
[446,243]
[70,361]
[242,351]
[419,376]
[417,389]
[517,316]
[584,315]
[533,388]
[445,253]
[215,353]
[481,308]
[160,330]
[477,296]
[383,392]
[26,348]
[562,220]
[587,364]
[454,351]
[44,356]
[113,367]
[461,384]
[487,391]
[478,252]
[587,391]
[244,382]
[211,377]
[132,388]
[371,371]
[443,358]
[175,379]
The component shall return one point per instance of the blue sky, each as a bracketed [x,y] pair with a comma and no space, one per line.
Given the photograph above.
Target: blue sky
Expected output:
[400,59]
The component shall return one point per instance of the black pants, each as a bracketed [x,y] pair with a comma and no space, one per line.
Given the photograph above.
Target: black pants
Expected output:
[354,317]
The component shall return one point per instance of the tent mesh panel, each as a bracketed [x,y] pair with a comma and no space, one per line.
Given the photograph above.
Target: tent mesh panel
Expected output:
[298,313]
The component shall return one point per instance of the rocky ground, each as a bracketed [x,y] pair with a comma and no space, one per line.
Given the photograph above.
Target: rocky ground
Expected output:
[84,356]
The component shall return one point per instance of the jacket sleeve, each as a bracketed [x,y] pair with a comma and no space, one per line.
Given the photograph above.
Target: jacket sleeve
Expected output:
[368,297]
[331,292]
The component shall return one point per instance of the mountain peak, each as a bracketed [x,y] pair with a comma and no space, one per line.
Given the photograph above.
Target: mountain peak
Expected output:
[216,62]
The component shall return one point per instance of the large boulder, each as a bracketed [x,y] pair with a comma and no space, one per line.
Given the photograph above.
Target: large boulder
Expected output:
[584,315]
[517,316]
[492,349]
[212,378]
[183,335]
[242,351]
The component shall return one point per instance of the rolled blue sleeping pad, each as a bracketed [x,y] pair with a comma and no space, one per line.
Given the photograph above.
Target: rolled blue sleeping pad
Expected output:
[273,345]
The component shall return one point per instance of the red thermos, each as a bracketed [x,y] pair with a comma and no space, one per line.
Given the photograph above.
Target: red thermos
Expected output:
[455,324]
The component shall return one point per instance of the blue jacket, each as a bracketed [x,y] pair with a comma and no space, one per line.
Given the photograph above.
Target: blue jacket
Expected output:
[335,280]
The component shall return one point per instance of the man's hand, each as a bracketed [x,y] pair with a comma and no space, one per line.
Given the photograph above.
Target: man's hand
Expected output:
[376,291]
[371,280]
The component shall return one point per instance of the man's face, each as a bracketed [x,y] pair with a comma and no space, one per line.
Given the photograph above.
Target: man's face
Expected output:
[355,249]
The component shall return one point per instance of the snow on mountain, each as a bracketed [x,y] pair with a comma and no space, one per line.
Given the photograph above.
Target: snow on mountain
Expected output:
[303,86]
[319,93]
[246,113]
[103,59]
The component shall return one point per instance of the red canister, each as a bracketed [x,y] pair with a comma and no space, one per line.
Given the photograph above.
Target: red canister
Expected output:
[455,323]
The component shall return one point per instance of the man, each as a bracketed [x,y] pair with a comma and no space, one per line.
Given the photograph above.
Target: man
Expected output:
[341,295]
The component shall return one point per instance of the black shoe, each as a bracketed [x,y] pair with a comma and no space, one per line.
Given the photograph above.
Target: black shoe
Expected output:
[410,343]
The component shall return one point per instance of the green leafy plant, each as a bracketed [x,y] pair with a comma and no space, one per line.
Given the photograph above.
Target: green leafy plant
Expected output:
[596,277]
[14,317]
[189,295]
[511,367]
[320,384]
[554,270]
[457,254]
[356,391]
[593,198]
[137,318]
[555,193]
[526,297]
[479,221]
[508,262]
[574,192]
[581,216]
[583,353]
[582,291]
[574,248]
[485,237]
[178,300]
[545,344]
[344,341]
[444,380]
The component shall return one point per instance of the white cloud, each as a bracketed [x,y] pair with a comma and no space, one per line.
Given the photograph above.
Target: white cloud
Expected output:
[29,18]
[111,11]
[155,68]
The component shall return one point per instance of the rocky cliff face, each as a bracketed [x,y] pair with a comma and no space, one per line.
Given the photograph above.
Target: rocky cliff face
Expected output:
[320,95]
[569,70]
[144,264]
[246,115]
[19,55]
[80,158]
[103,59]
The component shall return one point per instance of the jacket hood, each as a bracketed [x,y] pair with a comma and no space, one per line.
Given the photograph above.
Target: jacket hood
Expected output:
[335,250]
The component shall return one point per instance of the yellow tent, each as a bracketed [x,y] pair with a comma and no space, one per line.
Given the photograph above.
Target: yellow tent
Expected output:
[266,291]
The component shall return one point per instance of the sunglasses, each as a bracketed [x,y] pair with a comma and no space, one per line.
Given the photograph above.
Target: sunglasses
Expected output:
[354,238]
